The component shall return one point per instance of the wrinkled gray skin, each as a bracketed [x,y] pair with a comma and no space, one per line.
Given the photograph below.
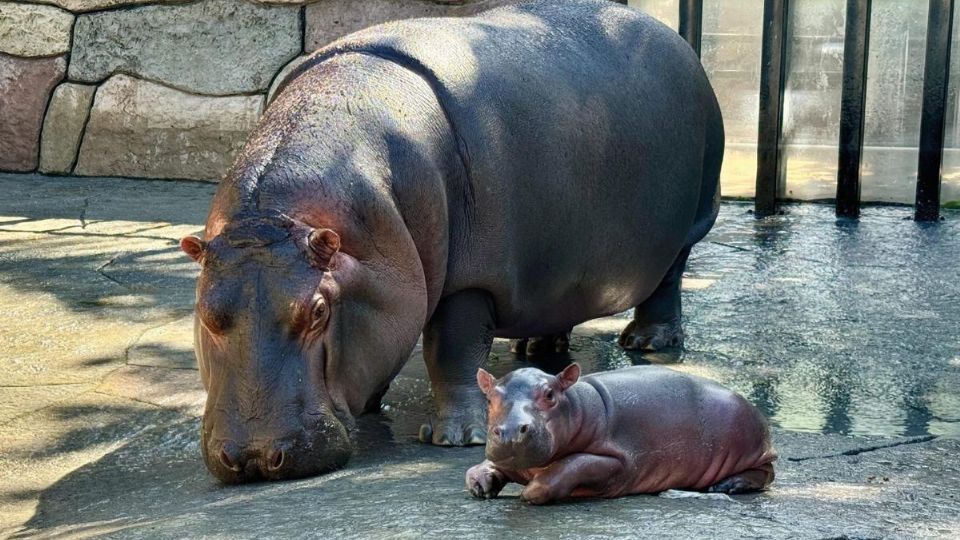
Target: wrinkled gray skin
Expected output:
[511,174]
[623,432]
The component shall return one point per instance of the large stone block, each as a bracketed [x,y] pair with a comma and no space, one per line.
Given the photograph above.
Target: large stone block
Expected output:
[63,127]
[332,19]
[27,30]
[217,47]
[80,6]
[25,86]
[138,128]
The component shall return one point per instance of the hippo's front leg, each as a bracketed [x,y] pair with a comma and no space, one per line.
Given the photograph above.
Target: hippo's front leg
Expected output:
[579,475]
[456,342]
[485,480]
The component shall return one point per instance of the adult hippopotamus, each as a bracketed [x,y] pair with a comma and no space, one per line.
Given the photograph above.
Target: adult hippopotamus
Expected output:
[511,174]
[634,430]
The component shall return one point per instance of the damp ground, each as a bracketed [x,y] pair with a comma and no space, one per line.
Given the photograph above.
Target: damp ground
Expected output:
[843,333]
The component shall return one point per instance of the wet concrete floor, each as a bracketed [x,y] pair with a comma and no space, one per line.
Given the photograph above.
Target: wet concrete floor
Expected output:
[844,333]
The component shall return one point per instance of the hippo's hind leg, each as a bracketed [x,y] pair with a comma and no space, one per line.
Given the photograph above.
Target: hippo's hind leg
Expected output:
[540,345]
[756,479]
[456,342]
[656,322]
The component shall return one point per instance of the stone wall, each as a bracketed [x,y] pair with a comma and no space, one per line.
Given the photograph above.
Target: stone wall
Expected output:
[159,88]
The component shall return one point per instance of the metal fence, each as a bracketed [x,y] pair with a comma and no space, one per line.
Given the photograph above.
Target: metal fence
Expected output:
[824,69]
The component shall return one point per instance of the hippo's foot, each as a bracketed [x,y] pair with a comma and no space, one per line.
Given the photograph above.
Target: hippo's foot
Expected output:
[484,481]
[747,481]
[538,492]
[460,423]
[651,337]
[535,346]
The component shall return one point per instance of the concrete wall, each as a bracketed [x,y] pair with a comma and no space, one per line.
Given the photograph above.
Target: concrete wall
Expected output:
[159,88]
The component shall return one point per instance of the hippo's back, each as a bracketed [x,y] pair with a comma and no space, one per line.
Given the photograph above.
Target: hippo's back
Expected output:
[583,127]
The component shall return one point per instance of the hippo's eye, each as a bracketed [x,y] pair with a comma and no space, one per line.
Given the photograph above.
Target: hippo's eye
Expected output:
[548,395]
[320,314]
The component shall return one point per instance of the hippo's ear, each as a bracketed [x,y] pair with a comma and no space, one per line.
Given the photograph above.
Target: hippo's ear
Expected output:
[569,376]
[485,381]
[193,246]
[324,244]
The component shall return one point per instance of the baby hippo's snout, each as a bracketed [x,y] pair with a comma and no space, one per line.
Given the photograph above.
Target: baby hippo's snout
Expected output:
[509,433]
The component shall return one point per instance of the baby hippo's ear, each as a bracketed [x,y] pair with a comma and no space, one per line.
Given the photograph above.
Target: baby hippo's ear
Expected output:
[569,376]
[485,380]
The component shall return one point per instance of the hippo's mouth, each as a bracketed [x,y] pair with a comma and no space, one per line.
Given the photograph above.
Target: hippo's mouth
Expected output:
[513,458]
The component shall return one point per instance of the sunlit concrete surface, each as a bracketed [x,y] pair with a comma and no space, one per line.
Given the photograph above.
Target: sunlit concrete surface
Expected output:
[845,334]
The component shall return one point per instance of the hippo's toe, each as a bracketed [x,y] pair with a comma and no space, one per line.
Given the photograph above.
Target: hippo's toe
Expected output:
[541,345]
[537,492]
[651,337]
[756,479]
[456,431]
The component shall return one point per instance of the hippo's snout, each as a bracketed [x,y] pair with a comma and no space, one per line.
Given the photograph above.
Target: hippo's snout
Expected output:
[510,433]
[270,459]
[281,458]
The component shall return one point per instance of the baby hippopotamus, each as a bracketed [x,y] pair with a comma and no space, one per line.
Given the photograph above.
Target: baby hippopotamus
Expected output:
[634,430]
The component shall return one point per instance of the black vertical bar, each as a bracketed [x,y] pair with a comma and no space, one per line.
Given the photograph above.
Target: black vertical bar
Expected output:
[936,75]
[856,46]
[772,83]
[691,22]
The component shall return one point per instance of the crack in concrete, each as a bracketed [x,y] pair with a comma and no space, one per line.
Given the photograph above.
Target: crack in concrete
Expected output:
[848,537]
[731,246]
[177,315]
[43,385]
[45,231]
[62,232]
[100,269]
[865,449]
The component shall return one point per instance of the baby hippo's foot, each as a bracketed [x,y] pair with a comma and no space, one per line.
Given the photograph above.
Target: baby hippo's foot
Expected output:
[538,492]
[484,481]
[460,421]
[548,344]
[745,482]
[651,337]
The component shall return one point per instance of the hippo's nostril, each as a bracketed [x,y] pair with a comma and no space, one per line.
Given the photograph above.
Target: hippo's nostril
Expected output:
[227,461]
[275,460]
[523,429]
[497,431]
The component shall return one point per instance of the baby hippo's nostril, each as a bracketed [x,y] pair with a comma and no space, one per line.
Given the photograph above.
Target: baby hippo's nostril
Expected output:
[229,461]
[497,431]
[523,429]
[275,460]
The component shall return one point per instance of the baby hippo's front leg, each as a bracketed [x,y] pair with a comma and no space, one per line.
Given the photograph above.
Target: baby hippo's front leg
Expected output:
[484,481]
[577,475]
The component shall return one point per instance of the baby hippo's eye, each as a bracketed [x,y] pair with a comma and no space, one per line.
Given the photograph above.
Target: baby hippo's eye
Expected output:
[548,395]
[320,314]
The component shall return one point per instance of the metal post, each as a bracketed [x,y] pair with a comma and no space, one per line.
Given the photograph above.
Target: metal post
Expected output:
[936,75]
[772,83]
[691,22]
[856,46]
